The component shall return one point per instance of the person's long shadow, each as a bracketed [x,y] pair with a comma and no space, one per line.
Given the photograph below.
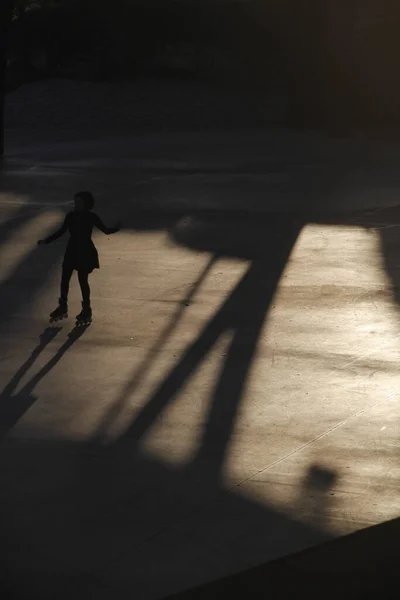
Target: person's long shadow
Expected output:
[242,315]
[14,406]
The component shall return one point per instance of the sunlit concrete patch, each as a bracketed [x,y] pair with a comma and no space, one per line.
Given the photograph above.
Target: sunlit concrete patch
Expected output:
[124,366]
[130,416]
[305,363]
[8,198]
[162,331]
[352,475]
[187,412]
[36,171]
[326,363]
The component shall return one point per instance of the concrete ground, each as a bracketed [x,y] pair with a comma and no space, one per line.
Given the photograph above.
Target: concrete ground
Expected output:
[235,400]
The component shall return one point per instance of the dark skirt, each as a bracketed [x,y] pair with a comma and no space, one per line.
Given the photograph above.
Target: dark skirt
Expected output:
[81,258]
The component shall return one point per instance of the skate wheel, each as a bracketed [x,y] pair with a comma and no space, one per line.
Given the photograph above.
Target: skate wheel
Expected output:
[83,323]
[56,319]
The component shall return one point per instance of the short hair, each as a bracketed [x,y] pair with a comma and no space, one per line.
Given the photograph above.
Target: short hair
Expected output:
[87,198]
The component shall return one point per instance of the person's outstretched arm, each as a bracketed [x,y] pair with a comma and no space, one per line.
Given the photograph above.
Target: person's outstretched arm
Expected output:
[100,225]
[57,234]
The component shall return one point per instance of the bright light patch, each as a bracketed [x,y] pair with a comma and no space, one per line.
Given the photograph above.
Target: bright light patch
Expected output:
[10,199]
[326,367]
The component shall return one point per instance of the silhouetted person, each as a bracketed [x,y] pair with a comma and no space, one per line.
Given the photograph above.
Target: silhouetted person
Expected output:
[81,254]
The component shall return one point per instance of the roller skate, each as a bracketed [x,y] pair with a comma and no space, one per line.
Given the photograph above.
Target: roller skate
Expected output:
[85,317]
[60,313]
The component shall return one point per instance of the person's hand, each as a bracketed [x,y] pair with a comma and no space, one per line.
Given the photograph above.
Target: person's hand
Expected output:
[41,243]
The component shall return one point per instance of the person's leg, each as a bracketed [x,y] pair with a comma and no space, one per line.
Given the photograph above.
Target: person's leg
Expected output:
[65,279]
[83,277]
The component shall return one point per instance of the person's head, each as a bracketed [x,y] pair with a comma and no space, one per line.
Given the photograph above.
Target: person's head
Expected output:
[83,201]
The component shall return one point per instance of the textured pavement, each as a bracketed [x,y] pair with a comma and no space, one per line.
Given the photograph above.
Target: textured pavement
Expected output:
[235,400]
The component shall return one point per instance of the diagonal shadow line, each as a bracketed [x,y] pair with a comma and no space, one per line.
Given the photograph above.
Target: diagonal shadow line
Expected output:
[12,408]
[226,318]
[149,359]
[228,391]
[44,339]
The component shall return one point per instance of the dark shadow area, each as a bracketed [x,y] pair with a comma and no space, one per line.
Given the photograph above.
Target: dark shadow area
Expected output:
[14,405]
[96,511]
[316,501]
[362,565]
[387,222]
[336,62]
